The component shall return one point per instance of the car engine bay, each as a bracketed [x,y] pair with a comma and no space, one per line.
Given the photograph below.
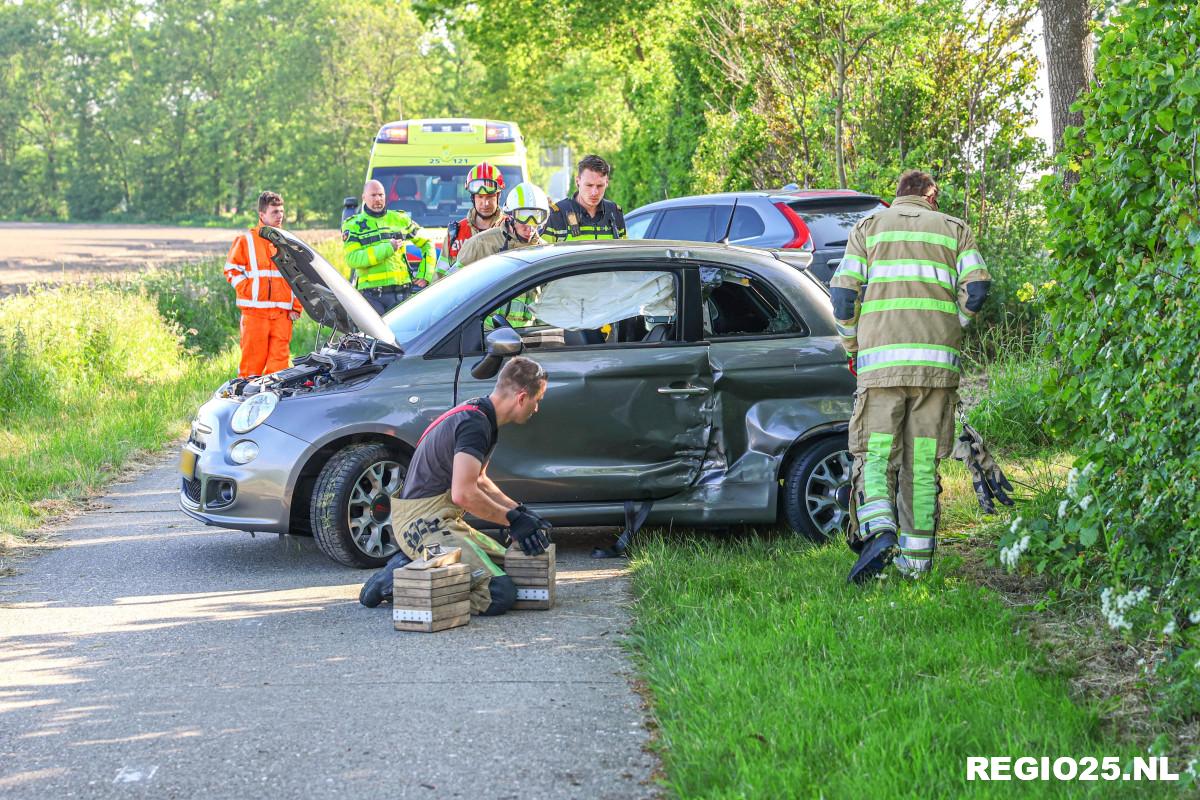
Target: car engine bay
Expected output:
[353,359]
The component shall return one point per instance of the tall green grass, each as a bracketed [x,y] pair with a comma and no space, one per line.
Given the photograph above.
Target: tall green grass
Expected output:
[92,376]
[772,678]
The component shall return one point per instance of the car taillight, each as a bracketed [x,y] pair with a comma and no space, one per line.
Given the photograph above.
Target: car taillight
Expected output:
[393,134]
[498,132]
[801,238]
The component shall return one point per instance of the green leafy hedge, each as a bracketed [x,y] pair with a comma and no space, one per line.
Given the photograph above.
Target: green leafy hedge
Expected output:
[1124,324]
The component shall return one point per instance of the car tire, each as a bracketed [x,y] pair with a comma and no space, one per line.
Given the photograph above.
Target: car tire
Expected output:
[816,489]
[347,504]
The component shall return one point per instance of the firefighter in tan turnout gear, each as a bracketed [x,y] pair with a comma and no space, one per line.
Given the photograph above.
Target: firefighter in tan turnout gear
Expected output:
[910,281]
[447,478]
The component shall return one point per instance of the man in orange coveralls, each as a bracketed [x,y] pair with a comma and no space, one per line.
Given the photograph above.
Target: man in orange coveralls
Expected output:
[268,306]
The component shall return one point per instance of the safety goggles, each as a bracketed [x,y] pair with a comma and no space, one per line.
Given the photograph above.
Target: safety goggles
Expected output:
[530,216]
[483,186]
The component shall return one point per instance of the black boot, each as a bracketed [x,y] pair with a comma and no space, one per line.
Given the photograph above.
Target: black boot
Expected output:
[378,587]
[877,553]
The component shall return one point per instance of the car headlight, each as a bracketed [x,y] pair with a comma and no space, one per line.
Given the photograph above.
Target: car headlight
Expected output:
[253,412]
[243,452]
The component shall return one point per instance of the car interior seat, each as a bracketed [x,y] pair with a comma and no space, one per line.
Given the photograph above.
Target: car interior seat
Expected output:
[661,332]
[582,336]
[405,191]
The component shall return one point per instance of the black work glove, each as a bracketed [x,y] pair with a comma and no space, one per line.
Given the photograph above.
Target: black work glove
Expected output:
[986,475]
[528,532]
[542,521]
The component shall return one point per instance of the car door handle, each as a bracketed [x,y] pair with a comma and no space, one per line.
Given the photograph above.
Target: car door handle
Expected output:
[683,391]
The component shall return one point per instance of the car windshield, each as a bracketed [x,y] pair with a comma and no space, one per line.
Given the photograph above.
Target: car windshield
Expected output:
[433,196]
[426,308]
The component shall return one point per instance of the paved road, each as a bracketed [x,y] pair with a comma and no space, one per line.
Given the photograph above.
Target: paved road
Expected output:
[149,656]
[35,252]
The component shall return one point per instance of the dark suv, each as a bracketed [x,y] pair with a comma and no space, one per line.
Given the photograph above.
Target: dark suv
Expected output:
[816,220]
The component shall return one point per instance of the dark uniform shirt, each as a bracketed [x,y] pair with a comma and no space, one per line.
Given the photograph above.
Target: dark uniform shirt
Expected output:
[569,222]
[466,431]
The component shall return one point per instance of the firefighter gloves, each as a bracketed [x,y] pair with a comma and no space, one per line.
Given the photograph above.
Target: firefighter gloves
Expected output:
[529,532]
[986,475]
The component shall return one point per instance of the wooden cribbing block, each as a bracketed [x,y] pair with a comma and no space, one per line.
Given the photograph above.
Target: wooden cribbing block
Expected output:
[432,599]
[533,576]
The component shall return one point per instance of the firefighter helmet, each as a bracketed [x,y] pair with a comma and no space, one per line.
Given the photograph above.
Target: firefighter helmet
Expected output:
[484,179]
[527,204]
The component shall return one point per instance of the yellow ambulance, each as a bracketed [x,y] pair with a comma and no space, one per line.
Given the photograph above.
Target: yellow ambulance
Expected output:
[423,164]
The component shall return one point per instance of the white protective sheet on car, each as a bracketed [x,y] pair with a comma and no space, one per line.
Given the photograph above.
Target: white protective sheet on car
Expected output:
[597,299]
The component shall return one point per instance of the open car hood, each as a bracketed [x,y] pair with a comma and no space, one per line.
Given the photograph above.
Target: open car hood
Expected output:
[325,294]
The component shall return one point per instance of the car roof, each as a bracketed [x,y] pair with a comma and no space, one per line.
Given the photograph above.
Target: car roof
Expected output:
[758,259]
[645,248]
[803,196]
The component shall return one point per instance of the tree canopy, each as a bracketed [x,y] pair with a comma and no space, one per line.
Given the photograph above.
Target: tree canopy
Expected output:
[163,110]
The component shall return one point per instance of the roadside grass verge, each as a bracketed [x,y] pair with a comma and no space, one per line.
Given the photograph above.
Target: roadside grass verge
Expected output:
[93,376]
[771,677]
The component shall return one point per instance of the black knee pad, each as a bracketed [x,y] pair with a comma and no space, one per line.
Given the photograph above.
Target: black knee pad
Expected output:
[504,595]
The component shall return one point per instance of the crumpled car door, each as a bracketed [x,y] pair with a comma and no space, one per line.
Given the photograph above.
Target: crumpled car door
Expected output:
[617,423]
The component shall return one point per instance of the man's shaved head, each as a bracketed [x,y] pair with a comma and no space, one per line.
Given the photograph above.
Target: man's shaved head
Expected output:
[374,196]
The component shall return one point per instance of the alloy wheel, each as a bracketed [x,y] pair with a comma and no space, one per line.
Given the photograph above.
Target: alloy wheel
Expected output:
[827,493]
[369,509]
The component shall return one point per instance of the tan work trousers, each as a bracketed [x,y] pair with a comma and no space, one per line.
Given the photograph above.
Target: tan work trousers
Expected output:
[429,520]
[897,437]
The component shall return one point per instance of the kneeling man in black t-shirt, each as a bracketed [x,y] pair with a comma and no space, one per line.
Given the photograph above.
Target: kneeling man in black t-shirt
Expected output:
[448,479]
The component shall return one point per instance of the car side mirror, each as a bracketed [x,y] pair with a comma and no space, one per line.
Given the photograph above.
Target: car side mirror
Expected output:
[500,344]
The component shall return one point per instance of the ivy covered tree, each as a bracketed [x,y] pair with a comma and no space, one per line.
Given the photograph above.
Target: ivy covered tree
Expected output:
[1123,313]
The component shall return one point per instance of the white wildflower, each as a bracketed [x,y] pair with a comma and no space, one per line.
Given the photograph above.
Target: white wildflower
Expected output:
[1062,508]
[1112,437]
[1194,617]
[1016,525]
[1114,606]
[1009,556]
[1085,502]
[1088,469]
[1072,482]
[1190,769]
[1169,628]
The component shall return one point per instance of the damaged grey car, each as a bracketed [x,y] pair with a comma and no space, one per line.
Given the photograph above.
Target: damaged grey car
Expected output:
[703,382]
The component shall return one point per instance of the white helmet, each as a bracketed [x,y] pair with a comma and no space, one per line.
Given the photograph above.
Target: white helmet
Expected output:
[527,204]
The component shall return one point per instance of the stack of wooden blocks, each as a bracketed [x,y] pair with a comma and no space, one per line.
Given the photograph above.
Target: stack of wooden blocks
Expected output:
[433,599]
[533,576]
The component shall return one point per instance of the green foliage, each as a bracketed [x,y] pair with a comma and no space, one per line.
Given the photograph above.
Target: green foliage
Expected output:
[1122,324]
[91,377]
[692,96]
[162,111]
[197,299]
[771,677]
[1013,415]
[58,343]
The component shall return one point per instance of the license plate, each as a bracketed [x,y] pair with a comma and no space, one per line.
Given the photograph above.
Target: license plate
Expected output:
[187,463]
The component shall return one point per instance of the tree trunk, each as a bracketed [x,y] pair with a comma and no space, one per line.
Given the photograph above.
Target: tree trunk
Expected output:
[1069,61]
[839,110]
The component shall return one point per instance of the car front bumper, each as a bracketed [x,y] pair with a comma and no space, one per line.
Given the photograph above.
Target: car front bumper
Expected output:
[218,491]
